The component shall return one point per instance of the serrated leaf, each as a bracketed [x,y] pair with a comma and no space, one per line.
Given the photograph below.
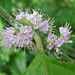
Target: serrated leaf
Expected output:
[49,67]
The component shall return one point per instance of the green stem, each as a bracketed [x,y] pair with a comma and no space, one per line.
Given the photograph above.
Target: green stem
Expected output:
[6,16]
[66,58]
[40,48]
[38,42]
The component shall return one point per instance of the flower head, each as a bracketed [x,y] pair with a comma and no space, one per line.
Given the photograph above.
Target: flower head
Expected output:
[7,37]
[20,16]
[51,40]
[21,39]
[55,42]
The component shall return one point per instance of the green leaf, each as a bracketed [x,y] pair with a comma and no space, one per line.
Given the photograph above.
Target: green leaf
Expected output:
[43,65]
[5,55]
[4,58]
[2,74]
[17,64]
[1,25]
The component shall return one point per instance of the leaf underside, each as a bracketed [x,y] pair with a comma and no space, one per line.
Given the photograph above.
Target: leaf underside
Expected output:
[53,67]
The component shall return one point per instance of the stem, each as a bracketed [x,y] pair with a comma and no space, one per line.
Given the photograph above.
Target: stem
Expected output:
[40,48]
[6,16]
[67,59]
[38,42]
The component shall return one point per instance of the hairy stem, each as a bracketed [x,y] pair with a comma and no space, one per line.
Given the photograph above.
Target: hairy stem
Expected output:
[40,47]
[66,58]
[38,42]
[6,16]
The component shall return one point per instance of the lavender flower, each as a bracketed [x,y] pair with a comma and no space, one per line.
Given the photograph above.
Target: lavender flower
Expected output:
[44,26]
[7,37]
[25,36]
[22,39]
[51,40]
[36,20]
[20,16]
[64,31]
[55,42]
[29,22]
[65,34]
[59,42]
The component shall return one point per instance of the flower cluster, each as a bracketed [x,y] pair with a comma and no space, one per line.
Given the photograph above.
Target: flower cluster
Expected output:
[7,38]
[29,22]
[55,42]
[36,19]
[25,36]
[20,16]
[65,35]
[51,40]
[21,39]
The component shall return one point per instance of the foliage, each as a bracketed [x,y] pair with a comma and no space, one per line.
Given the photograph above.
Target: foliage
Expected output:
[53,67]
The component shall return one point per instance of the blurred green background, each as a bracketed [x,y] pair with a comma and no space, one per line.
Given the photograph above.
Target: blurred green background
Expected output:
[15,63]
